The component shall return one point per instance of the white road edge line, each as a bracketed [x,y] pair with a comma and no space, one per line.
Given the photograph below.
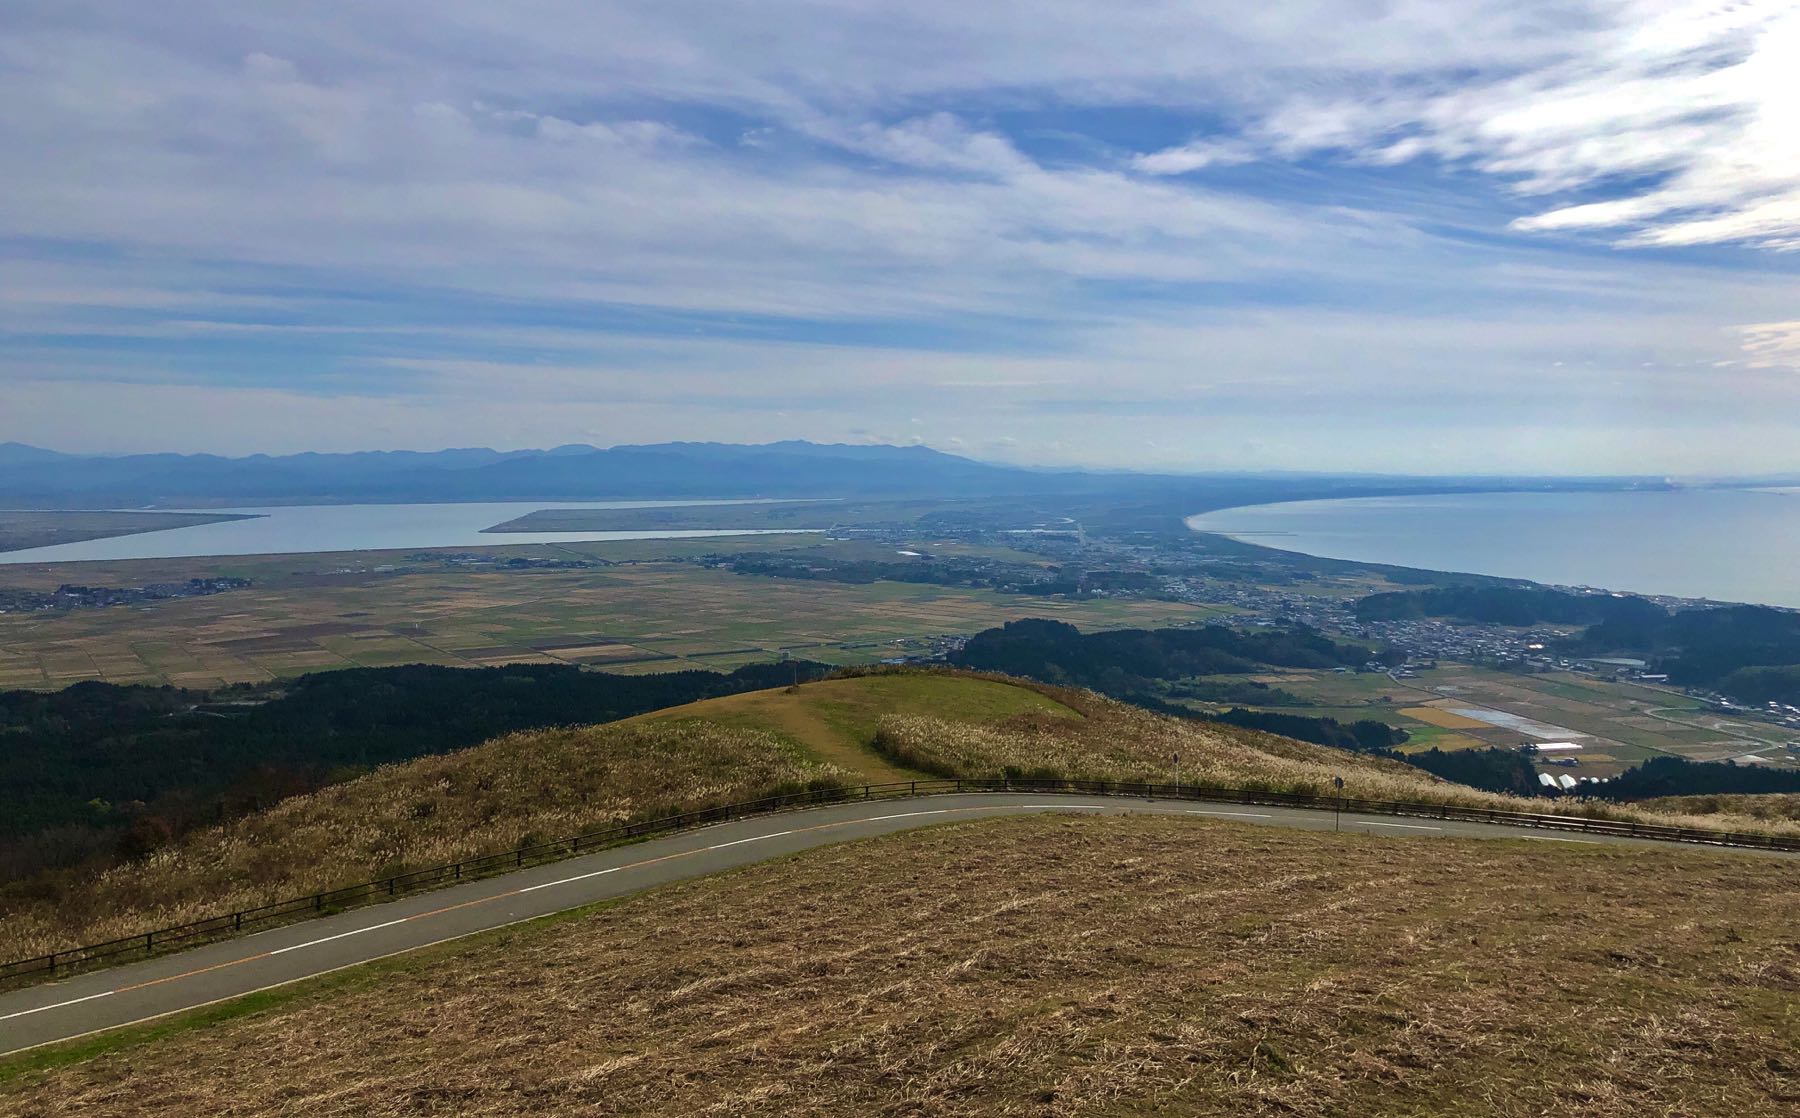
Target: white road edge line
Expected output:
[1553,838]
[752,838]
[908,815]
[58,1005]
[340,935]
[577,877]
[1237,814]
[1404,826]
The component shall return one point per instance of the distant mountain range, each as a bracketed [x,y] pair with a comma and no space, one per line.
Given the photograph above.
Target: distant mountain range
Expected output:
[34,477]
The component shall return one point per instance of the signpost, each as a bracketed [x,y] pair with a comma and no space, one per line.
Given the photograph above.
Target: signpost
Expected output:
[1338,811]
[1178,774]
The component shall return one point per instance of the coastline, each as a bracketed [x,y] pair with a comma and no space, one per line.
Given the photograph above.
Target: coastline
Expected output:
[1732,548]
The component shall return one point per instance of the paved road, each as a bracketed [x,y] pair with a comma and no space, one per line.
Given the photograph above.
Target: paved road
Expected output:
[141,991]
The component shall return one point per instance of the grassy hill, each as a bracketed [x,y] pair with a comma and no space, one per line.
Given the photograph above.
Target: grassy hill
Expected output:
[1048,966]
[534,786]
[514,791]
[837,720]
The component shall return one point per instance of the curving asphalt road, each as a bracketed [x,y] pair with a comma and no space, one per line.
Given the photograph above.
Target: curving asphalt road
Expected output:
[125,995]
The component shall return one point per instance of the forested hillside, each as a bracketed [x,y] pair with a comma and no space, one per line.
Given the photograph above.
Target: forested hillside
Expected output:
[101,771]
[1148,667]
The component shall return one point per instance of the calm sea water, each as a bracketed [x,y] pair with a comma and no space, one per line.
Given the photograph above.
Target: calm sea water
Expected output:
[303,528]
[1729,545]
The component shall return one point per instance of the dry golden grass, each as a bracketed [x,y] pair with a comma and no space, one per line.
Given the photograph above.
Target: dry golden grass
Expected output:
[542,785]
[1773,806]
[1116,741]
[512,791]
[1049,966]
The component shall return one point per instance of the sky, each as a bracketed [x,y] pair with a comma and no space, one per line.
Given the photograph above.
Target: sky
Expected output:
[1422,236]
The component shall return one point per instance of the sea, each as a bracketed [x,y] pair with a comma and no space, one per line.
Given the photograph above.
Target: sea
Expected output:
[292,529]
[1732,545]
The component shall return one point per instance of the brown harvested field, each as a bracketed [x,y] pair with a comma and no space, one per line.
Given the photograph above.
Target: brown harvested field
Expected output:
[1052,966]
[288,624]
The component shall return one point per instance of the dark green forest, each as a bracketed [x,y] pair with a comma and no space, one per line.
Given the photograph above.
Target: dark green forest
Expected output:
[1517,606]
[1673,776]
[1057,652]
[1148,667]
[97,770]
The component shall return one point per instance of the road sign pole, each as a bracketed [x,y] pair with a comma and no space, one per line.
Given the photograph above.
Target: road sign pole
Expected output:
[1337,813]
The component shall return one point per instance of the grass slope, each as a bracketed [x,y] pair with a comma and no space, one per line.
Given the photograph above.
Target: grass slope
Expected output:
[539,785]
[837,719]
[1774,806]
[517,789]
[1049,966]
[513,791]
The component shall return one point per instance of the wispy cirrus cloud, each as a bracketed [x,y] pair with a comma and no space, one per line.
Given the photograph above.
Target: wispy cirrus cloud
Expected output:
[727,220]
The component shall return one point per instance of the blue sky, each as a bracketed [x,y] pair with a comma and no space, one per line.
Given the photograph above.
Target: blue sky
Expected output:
[1338,234]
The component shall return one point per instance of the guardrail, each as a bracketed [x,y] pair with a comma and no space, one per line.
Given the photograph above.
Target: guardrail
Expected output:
[228,924]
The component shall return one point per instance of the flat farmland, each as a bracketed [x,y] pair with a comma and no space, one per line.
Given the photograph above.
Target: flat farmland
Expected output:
[642,616]
[1459,706]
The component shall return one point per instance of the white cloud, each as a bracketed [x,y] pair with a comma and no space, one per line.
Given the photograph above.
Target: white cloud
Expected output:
[1772,345]
[1685,116]
[557,208]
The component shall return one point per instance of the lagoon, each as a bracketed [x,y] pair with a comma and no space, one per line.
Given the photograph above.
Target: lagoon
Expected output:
[289,529]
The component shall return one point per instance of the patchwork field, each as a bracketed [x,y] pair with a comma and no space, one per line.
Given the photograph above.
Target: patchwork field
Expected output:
[1457,706]
[1043,966]
[308,613]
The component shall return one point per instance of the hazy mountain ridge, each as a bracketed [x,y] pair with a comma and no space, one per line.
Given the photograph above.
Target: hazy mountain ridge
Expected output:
[33,476]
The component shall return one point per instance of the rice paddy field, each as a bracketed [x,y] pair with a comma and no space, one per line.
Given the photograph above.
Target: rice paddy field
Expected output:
[1457,706]
[1043,966]
[653,611]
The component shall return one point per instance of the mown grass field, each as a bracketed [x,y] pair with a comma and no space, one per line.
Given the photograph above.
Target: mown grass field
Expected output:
[1044,966]
[314,613]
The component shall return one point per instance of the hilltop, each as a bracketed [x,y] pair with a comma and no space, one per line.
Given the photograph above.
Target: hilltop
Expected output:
[533,786]
[1043,965]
